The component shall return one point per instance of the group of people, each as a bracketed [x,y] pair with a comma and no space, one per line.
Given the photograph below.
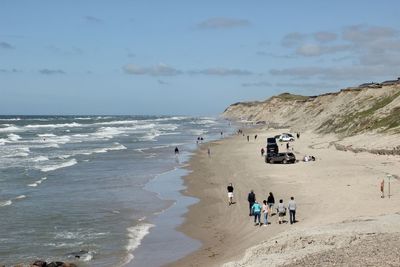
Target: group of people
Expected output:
[266,208]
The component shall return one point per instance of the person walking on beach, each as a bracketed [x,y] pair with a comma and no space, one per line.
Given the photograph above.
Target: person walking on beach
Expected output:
[271,201]
[248,138]
[292,210]
[255,137]
[251,198]
[298,135]
[256,210]
[382,188]
[287,146]
[209,152]
[265,210]
[262,152]
[176,151]
[230,193]
[281,211]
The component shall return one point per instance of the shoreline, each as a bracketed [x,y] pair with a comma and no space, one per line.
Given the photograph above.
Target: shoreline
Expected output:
[227,232]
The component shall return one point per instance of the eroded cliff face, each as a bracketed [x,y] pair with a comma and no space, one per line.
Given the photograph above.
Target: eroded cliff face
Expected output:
[368,108]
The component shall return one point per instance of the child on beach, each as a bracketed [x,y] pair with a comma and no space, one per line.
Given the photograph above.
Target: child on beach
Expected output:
[230,193]
[281,211]
[265,210]
[256,211]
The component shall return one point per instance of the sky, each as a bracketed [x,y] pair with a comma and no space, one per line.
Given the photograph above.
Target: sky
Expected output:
[187,57]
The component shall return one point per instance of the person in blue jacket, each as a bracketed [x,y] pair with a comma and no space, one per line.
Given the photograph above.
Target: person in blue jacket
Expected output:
[256,211]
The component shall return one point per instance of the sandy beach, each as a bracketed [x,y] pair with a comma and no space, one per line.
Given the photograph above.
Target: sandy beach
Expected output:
[338,199]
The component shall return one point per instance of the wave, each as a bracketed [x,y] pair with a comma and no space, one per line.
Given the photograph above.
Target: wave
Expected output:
[13,137]
[136,235]
[38,182]
[46,135]
[49,168]
[20,197]
[40,158]
[59,125]
[10,128]
[5,203]
[117,122]
[150,136]
[11,119]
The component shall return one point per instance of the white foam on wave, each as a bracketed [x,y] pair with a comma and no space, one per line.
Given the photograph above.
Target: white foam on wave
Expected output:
[3,141]
[10,128]
[40,158]
[11,119]
[151,136]
[136,234]
[13,137]
[59,125]
[46,135]
[49,168]
[20,197]
[197,132]
[38,182]
[117,122]
[5,203]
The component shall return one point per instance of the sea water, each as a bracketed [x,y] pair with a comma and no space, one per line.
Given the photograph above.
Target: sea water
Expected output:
[104,188]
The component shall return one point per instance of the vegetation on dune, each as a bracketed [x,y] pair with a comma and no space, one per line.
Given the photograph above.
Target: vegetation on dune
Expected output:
[356,122]
[291,97]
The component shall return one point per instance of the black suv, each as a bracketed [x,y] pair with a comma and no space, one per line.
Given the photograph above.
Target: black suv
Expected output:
[280,158]
[272,146]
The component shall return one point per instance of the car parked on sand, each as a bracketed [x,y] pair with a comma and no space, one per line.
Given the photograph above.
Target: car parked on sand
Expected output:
[280,158]
[285,138]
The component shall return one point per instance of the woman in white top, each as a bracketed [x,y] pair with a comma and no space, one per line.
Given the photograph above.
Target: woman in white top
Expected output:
[265,210]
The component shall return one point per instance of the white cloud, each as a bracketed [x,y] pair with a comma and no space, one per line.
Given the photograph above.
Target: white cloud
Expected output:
[325,36]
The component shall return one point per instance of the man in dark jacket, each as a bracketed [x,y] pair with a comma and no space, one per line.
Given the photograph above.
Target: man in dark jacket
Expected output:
[251,198]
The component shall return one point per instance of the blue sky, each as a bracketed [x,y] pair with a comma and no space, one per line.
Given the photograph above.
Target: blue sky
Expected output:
[187,57]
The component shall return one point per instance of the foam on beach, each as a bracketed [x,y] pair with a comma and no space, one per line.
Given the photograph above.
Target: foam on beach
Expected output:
[136,234]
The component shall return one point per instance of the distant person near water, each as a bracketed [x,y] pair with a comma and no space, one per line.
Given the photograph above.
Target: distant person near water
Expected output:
[255,137]
[230,193]
[256,211]
[265,210]
[176,151]
[209,152]
[382,188]
[251,198]
[281,211]
[292,210]
[248,138]
[271,201]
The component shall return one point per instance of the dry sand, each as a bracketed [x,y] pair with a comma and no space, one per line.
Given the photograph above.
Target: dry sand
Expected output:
[338,200]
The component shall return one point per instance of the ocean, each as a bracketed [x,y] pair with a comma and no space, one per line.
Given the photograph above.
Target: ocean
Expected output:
[101,188]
